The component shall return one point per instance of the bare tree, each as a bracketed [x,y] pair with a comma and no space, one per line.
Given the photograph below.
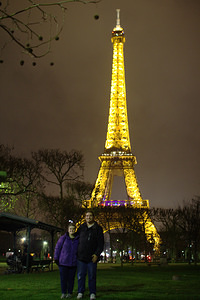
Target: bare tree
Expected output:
[189,223]
[129,226]
[169,220]
[80,191]
[60,213]
[34,24]
[58,168]
[26,205]
[106,215]
[22,178]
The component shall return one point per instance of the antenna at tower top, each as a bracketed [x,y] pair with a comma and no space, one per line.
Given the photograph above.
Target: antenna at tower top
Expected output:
[118,17]
[118,27]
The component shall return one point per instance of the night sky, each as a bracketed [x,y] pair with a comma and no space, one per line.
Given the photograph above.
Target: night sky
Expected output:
[66,106]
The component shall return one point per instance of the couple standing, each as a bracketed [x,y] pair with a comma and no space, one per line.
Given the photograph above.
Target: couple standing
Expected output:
[79,250]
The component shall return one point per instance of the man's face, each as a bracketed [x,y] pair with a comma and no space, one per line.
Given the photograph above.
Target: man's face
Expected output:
[89,218]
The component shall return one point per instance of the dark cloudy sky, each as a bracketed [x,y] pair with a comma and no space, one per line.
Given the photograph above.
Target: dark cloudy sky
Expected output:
[66,106]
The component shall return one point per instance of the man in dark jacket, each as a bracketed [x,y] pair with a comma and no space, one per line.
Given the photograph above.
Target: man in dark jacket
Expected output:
[91,242]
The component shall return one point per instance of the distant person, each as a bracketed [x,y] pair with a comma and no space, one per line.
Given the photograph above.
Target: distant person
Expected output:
[26,262]
[65,257]
[91,243]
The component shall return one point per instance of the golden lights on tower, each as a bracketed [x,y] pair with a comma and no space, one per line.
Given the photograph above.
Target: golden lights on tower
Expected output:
[117,159]
[118,132]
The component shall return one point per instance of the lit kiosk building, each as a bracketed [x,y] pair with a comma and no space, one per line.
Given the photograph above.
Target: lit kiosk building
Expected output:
[117,159]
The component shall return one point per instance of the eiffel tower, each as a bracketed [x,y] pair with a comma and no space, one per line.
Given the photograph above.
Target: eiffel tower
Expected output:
[117,159]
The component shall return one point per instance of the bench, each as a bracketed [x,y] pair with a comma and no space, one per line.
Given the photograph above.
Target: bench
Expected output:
[38,265]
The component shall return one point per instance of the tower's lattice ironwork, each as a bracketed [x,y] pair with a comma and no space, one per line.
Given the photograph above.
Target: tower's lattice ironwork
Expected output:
[117,159]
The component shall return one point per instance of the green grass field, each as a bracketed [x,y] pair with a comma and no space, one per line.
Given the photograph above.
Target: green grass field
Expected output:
[113,282]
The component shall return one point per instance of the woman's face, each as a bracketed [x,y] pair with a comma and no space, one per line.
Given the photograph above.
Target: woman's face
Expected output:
[71,229]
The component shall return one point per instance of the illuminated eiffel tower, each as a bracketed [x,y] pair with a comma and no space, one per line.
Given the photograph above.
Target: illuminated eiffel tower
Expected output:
[117,159]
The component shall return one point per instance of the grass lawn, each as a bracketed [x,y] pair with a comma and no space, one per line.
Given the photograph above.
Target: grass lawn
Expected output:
[113,282]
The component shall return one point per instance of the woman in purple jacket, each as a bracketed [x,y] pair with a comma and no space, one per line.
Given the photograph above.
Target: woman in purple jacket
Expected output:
[65,257]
